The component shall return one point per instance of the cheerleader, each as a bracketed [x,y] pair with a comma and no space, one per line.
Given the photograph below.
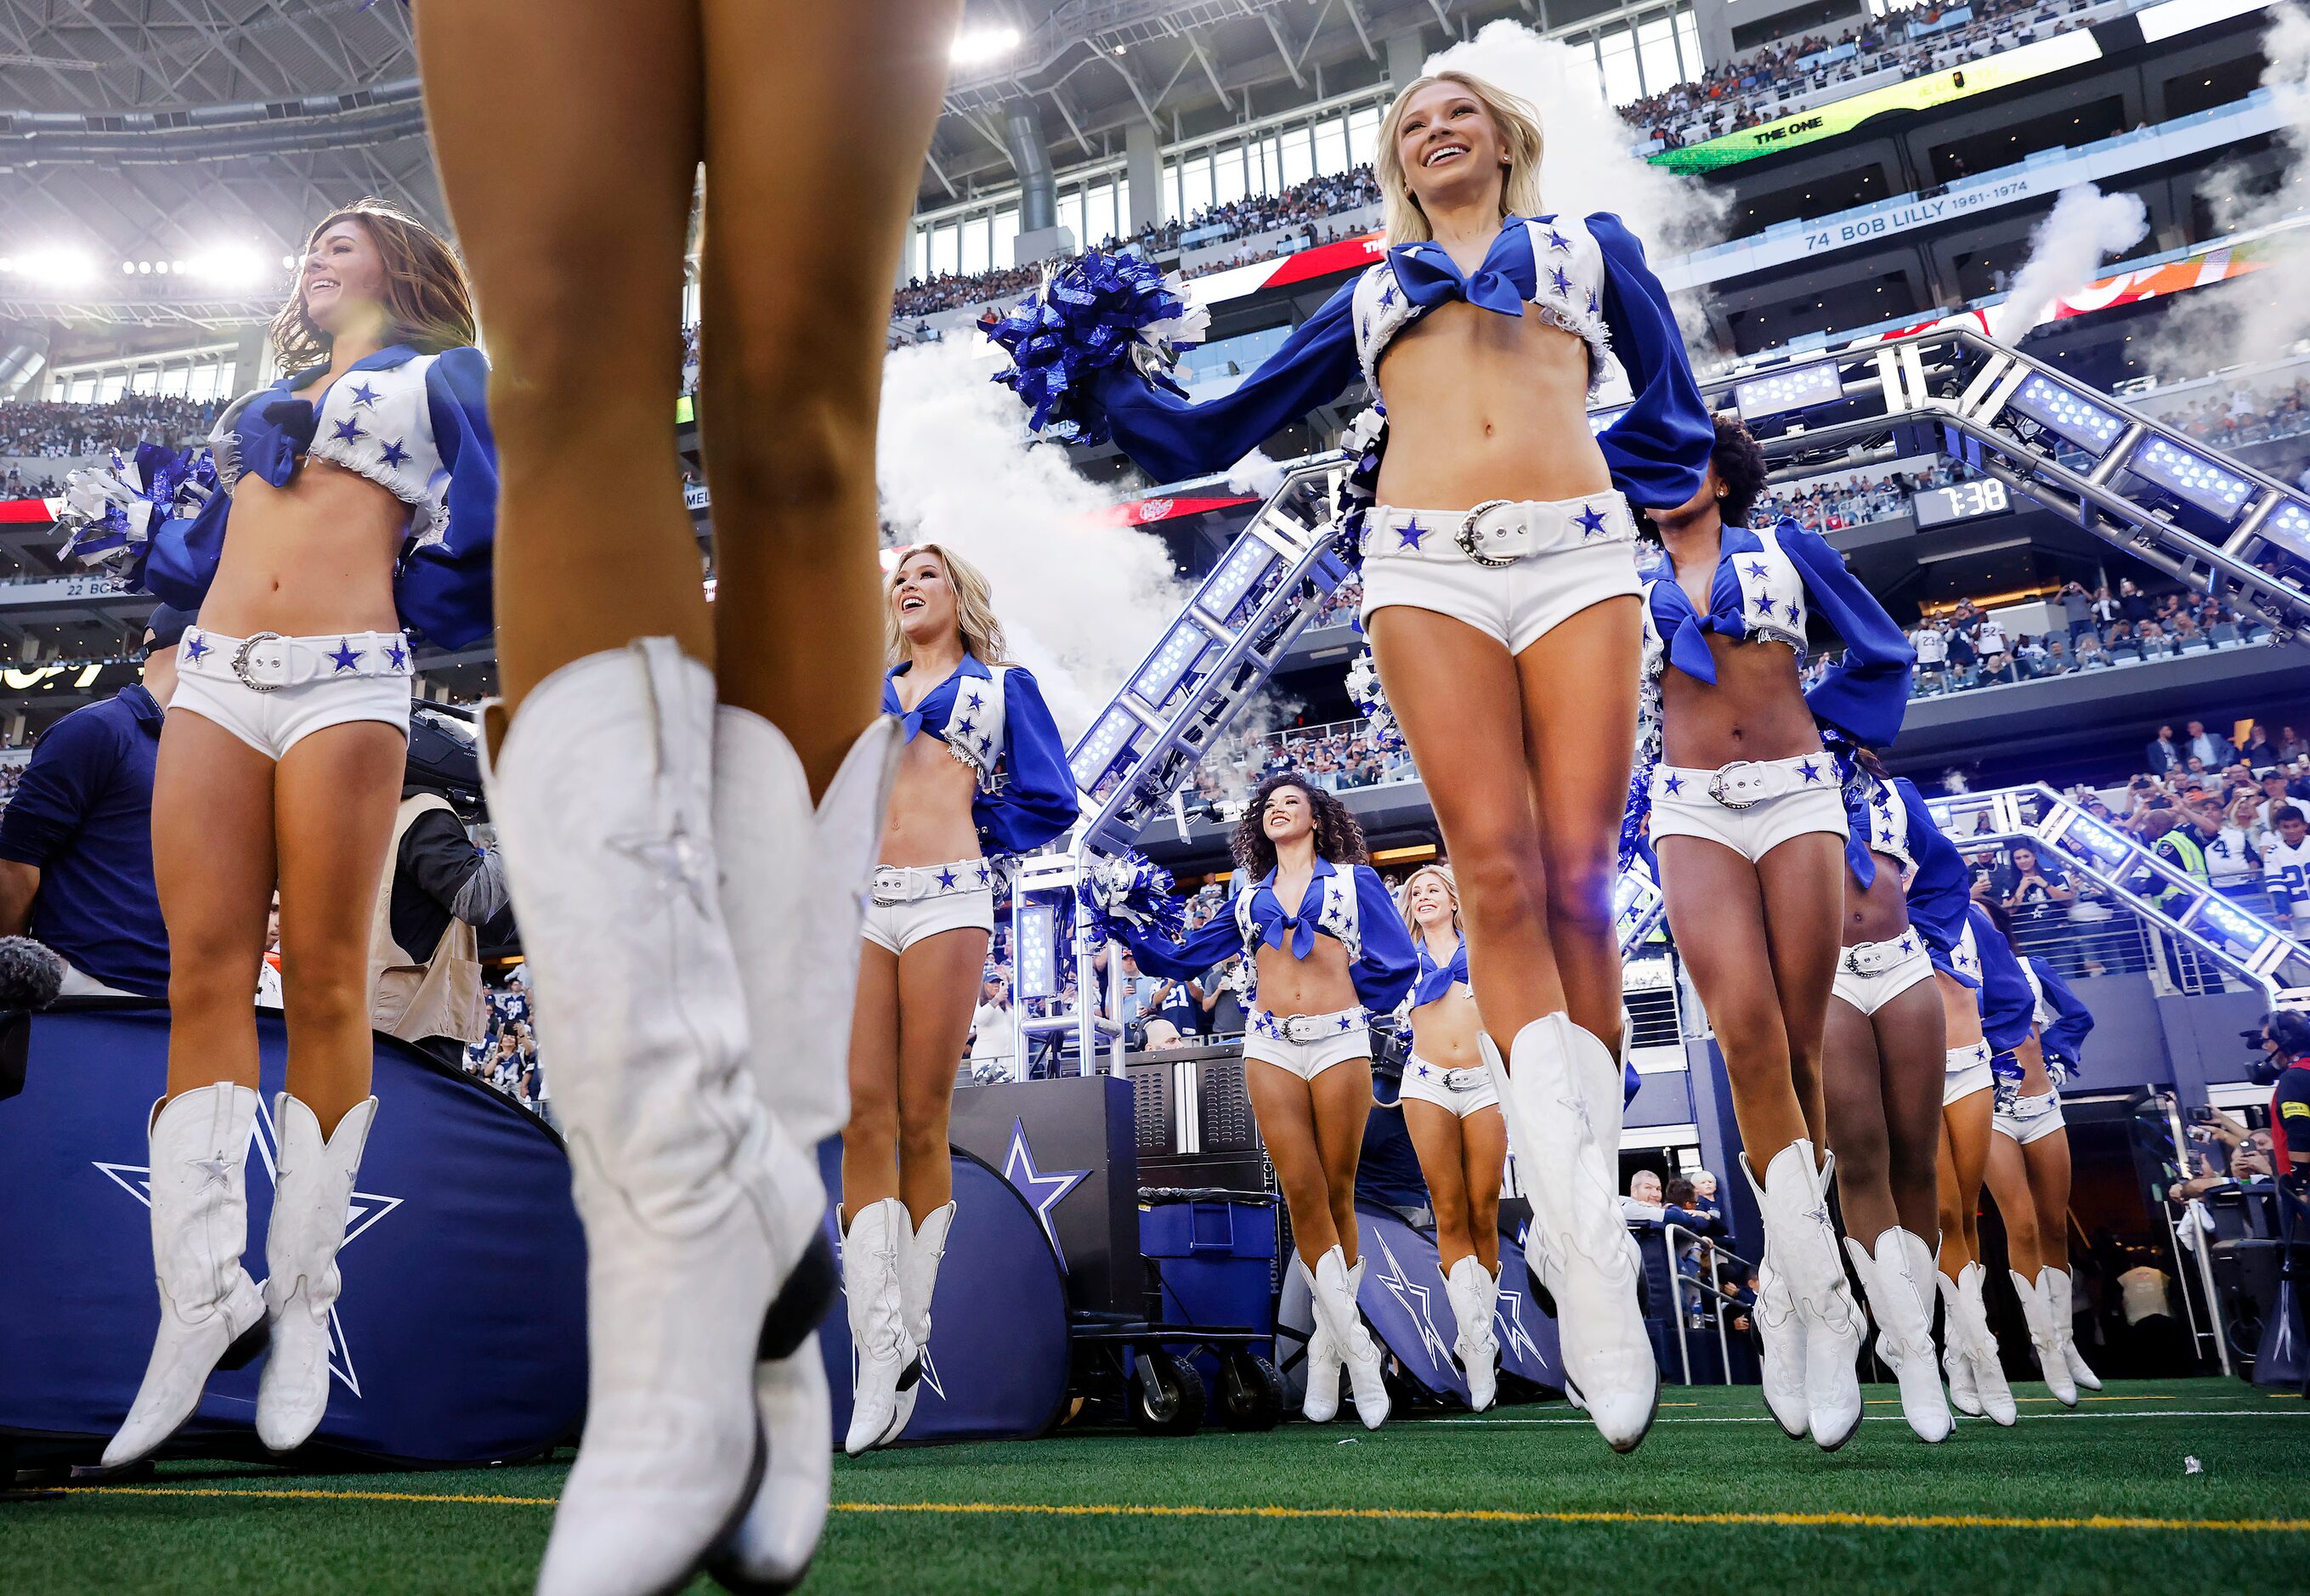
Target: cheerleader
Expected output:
[1451,1108]
[1326,944]
[1497,548]
[1993,1016]
[983,774]
[355,496]
[1882,1063]
[1749,826]
[2028,1174]
[689,796]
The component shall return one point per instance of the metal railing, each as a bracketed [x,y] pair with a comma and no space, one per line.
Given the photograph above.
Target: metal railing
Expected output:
[1712,1249]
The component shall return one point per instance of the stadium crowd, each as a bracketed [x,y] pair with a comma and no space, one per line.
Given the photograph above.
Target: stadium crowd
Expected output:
[59,431]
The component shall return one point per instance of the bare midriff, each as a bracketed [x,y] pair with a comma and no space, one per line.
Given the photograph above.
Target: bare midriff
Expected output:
[311,559]
[1319,983]
[1446,1032]
[1878,912]
[1755,709]
[930,819]
[1483,406]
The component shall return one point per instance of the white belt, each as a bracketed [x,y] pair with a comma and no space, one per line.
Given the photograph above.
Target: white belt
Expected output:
[269,660]
[1747,783]
[1466,1081]
[900,883]
[1499,532]
[1307,1028]
[1874,959]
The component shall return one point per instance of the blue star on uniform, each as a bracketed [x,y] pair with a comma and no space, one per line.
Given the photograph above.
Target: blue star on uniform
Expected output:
[974,700]
[1557,240]
[982,873]
[1411,532]
[1674,783]
[1563,280]
[1594,307]
[1591,522]
[1386,294]
[398,655]
[346,656]
[349,430]
[946,880]
[395,454]
[1808,771]
[1423,1071]
[1908,945]
[364,394]
[1757,571]
[196,646]
[964,726]
[1765,606]
[1347,1022]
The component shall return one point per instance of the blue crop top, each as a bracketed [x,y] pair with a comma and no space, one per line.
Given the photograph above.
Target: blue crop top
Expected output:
[416,425]
[1354,907]
[1434,980]
[2009,1007]
[1890,819]
[996,722]
[1598,287]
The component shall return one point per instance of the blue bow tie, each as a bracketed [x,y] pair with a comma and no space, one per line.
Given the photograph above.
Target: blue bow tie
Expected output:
[1502,284]
[1267,909]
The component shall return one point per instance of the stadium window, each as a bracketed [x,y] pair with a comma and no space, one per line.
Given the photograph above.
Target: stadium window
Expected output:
[83,390]
[1195,184]
[111,386]
[946,251]
[1227,175]
[977,253]
[1617,53]
[1656,54]
[1331,146]
[144,380]
[1122,206]
[1687,44]
[1006,238]
[173,381]
[1099,215]
[693,297]
[1071,215]
[1298,155]
[1363,134]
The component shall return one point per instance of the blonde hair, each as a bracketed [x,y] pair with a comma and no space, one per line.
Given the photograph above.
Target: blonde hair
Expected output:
[1519,123]
[1442,873]
[974,607]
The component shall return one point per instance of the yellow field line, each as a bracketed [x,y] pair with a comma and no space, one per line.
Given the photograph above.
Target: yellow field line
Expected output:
[1485,1515]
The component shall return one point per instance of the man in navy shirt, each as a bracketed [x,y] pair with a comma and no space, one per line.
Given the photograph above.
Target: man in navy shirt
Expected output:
[76,841]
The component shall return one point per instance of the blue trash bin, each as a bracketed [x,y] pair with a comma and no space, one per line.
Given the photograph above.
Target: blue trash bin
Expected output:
[1210,1258]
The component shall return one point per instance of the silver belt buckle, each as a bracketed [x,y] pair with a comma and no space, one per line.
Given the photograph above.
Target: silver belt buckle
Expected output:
[1467,536]
[1300,1028]
[1720,786]
[889,886]
[241,658]
[1853,962]
[1461,1080]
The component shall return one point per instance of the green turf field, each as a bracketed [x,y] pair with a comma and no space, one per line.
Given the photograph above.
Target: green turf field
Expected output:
[2092,1501]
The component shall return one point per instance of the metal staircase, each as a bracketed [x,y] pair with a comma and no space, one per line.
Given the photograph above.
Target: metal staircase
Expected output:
[2197,515]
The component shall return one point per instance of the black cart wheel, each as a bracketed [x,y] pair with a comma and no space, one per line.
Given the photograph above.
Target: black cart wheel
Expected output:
[1251,1393]
[1167,1395]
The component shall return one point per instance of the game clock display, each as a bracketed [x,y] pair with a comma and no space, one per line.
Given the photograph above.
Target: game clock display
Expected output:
[1965,501]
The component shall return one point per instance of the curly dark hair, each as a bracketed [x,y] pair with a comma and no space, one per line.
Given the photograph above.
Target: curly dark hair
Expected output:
[1338,837]
[1739,467]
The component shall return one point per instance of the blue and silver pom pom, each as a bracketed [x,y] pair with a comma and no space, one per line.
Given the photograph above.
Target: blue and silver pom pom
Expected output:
[1366,443]
[1134,891]
[1090,315]
[1364,687]
[108,514]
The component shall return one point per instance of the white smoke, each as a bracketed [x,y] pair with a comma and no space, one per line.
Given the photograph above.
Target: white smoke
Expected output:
[1588,161]
[1255,473]
[2066,249]
[1082,602]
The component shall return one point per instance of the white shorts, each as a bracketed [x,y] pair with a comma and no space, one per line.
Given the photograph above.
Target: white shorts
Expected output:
[1751,807]
[2031,1117]
[1555,558]
[1463,1090]
[273,692]
[909,904]
[1307,1044]
[1968,1072]
[1871,975]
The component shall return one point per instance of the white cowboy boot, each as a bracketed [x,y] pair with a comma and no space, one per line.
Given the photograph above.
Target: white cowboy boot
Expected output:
[1802,1243]
[1988,1371]
[212,1314]
[794,889]
[1472,1291]
[918,1279]
[312,1194]
[2038,1313]
[1898,1279]
[1336,1287]
[1320,1403]
[2055,1279]
[1561,1096]
[889,1365]
[603,794]
[1781,1342]
[1957,1358]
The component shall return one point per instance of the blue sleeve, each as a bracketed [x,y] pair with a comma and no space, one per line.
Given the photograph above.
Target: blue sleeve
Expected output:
[67,771]
[180,558]
[1867,692]
[1658,449]
[1036,801]
[2009,1008]
[1186,960]
[444,588]
[1940,893]
[1174,437]
[2065,1039]
[1390,963]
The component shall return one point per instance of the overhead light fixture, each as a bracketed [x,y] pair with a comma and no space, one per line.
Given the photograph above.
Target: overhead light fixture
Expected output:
[1781,392]
[982,45]
[2190,475]
[2289,529]
[2065,412]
